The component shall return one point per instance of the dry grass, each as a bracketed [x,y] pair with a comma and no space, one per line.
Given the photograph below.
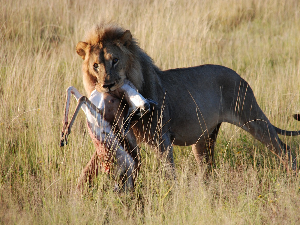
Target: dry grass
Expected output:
[259,39]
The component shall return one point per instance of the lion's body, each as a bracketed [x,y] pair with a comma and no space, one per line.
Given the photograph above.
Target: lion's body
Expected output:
[192,102]
[204,100]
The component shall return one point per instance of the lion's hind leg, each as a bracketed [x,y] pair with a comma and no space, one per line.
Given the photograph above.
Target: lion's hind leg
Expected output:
[245,112]
[265,132]
[257,124]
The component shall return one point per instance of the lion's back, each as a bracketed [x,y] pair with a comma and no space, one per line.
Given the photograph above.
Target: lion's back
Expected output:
[204,78]
[202,89]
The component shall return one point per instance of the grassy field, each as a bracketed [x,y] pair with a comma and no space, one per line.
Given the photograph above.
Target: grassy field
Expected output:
[259,39]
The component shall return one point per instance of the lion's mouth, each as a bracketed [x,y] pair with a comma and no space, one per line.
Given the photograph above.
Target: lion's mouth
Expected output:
[108,87]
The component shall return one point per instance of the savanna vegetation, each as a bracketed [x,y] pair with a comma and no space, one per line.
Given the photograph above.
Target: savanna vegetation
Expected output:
[258,39]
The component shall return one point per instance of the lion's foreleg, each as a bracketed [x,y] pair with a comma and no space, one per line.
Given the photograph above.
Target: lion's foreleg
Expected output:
[165,149]
[204,148]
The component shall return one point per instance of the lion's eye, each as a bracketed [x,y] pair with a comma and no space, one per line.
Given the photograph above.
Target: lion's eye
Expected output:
[96,66]
[115,61]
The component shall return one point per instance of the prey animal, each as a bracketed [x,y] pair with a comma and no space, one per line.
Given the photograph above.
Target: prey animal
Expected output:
[106,115]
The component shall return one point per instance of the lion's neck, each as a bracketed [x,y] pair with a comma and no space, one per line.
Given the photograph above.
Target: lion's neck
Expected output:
[151,84]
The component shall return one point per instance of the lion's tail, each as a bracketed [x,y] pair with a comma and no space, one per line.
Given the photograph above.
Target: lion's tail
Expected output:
[287,132]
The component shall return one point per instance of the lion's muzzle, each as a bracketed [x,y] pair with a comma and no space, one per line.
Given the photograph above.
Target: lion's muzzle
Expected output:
[108,86]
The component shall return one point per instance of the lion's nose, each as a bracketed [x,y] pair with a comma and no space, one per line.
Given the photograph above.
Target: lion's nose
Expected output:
[109,86]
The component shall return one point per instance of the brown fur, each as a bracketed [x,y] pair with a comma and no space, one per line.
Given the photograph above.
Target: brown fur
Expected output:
[192,102]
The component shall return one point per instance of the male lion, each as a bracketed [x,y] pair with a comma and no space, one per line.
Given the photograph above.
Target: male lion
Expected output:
[192,102]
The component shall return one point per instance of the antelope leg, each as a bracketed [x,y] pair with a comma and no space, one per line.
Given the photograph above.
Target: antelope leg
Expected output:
[138,105]
[94,116]
[77,95]
[135,99]
[75,92]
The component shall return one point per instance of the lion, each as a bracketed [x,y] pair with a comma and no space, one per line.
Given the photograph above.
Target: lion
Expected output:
[192,102]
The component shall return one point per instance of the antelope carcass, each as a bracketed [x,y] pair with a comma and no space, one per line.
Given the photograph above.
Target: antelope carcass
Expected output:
[106,117]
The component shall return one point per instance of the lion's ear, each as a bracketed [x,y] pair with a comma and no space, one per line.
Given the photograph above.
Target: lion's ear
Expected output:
[81,48]
[126,38]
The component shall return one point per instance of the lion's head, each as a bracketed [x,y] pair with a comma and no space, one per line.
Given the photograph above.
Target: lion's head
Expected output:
[109,58]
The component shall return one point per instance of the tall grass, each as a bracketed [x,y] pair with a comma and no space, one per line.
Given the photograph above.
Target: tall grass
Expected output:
[259,39]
